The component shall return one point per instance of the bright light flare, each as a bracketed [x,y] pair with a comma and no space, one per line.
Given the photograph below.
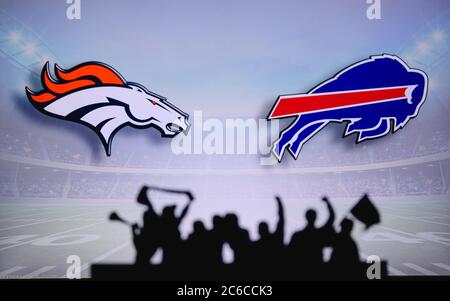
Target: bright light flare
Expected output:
[423,47]
[30,48]
[438,36]
[14,38]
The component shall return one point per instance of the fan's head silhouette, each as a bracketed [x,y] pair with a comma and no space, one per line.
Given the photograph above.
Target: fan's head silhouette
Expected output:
[263,229]
[168,212]
[199,227]
[346,226]
[232,219]
[311,216]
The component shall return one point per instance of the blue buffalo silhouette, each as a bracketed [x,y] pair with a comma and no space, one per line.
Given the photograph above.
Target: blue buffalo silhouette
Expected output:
[368,121]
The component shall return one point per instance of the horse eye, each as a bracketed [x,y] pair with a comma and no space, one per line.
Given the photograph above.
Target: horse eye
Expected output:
[154,102]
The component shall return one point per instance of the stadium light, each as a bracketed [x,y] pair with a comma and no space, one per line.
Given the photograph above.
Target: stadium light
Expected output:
[423,47]
[438,36]
[15,38]
[30,48]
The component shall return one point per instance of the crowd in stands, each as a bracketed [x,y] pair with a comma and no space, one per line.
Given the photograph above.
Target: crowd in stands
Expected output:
[29,180]
[402,145]
[23,180]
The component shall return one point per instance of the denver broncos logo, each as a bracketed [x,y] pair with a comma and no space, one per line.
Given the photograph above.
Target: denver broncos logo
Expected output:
[96,95]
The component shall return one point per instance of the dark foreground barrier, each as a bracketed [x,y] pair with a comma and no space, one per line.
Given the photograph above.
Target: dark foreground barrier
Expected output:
[226,272]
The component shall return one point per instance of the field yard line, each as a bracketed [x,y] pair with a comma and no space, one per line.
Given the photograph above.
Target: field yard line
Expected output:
[420,269]
[50,235]
[23,210]
[442,266]
[414,235]
[20,217]
[394,271]
[439,207]
[50,210]
[11,271]
[418,219]
[428,205]
[427,209]
[429,212]
[46,221]
[105,255]
[39,272]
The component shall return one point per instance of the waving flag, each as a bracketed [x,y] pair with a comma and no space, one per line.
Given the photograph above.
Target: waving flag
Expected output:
[366,212]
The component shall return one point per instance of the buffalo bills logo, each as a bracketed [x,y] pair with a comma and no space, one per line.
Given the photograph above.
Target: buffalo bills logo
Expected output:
[373,96]
[97,96]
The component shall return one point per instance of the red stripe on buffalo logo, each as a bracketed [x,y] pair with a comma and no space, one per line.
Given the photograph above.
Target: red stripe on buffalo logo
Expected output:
[289,105]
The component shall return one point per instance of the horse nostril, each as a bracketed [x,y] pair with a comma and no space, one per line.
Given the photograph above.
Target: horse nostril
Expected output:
[173,127]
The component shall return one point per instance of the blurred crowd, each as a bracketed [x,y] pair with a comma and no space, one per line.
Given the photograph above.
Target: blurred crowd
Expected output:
[29,180]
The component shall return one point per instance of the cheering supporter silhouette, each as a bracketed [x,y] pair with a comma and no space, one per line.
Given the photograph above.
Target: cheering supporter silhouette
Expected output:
[267,258]
[157,230]
[202,246]
[345,253]
[306,246]
[238,238]
[269,250]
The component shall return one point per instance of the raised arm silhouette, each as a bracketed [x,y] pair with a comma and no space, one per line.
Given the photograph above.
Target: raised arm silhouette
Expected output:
[171,242]
[306,246]
[146,239]
[268,251]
